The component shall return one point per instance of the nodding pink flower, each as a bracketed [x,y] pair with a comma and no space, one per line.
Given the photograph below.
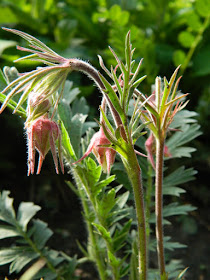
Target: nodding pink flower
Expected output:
[104,155]
[150,148]
[42,134]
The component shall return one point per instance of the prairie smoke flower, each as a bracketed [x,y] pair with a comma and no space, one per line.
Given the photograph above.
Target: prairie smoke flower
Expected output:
[44,82]
[104,155]
[42,134]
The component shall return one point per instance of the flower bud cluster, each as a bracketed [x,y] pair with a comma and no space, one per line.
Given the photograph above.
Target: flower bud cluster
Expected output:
[42,133]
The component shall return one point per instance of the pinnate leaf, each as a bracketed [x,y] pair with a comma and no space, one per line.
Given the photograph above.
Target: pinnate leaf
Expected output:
[179,176]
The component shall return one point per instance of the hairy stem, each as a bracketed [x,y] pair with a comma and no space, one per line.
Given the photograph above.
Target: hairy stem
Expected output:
[134,174]
[92,238]
[92,73]
[148,199]
[159,203]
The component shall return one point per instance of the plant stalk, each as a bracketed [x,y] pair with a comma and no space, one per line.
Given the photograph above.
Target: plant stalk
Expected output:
[159,203]
[96,251]
[134,174]
[148,199]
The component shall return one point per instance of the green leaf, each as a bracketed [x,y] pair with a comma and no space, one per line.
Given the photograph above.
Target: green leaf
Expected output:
[7,255]
[112,96]
[121,235]
[103,232]
[80,106]
[7,213]
[169,190]
[117,84]
[24,256]
[69,93]
[193,21]
[4,44]
[122,199]
[53,256]
[186,39]
[8,231]
[17,256]
[88,125]
[25,212]
[179,57]
[183,117]
[7,16]
[203,7]
[41,233]
[65,114]
[118,16]
[46,273]
[12,105]
[27,20]
[108,124]
[137,82]
[187,133]
[94,171]
[66,144]
[171,246]
[101,184]
[75,131]
[138,131]
[178,177]
[113,260]
[176,209]
[107,203]
[173,267]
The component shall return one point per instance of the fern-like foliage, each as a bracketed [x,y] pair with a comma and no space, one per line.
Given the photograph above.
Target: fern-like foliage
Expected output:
[31,236]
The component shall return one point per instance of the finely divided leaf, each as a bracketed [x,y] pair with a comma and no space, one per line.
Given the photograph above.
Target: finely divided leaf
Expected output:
[41,233]
[179,176]
[176,209]
[26,211]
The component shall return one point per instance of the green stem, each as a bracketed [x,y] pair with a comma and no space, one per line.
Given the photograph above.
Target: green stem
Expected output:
[134,174]
[148,204]
[92,238]
[159,203]
[194,46]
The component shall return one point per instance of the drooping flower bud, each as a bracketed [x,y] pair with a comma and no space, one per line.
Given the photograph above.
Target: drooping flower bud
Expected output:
[42,134]
[104,155]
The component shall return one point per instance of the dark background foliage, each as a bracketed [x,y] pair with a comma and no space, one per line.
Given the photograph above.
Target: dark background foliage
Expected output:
[165,33]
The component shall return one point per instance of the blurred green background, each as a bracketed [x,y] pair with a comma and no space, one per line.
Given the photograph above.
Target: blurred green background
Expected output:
[165,33]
